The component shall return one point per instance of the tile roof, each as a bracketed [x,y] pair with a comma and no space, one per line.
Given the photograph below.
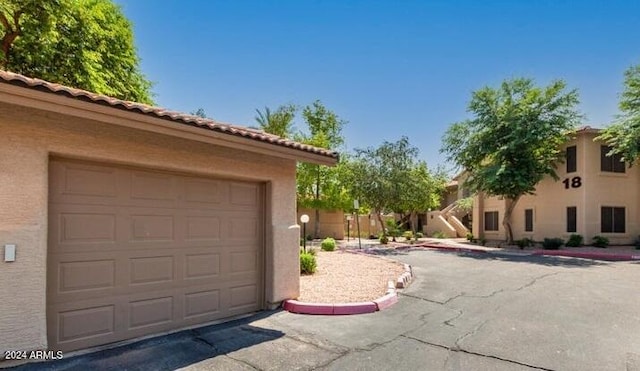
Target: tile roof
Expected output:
[178,117]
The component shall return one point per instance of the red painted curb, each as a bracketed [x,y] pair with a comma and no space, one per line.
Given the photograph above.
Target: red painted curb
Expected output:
[354,308]
[386,301]
[295,306]
[452,248]
[588,255]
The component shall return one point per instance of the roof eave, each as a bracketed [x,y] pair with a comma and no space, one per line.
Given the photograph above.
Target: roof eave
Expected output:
[49,101]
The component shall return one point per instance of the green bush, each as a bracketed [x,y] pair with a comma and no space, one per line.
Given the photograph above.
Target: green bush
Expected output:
[309,237]
[552,243]
[600,241]
[328,244]
[525,242]
[470,237]
[408,235]
[384,239]
[637,243]
[307,263]
[310,250]
[438,234]
[575,240]
[419,235]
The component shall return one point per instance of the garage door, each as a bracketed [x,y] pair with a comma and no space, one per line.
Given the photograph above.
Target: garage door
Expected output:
[134,252]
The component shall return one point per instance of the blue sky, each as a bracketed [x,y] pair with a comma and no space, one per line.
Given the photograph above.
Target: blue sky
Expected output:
[390,68]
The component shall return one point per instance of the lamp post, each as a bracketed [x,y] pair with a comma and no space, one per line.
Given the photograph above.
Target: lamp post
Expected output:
[349,218]
[356,205]
[304,218]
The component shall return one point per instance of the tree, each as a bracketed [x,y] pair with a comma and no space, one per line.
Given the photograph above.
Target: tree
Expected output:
[390,178]
[320,187]
[514,139]
[279,122]
[200,112]
[87,44]
[624,135]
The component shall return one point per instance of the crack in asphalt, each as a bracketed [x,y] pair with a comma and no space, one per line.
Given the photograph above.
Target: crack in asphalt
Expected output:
[450,350]
[420,298]
[455,350]
[217,350]
[448,322]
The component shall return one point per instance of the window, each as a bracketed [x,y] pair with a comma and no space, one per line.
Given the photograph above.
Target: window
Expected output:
[612,219]
[491,221]
[612,164]
[572,218]
[571,159]
[528,220]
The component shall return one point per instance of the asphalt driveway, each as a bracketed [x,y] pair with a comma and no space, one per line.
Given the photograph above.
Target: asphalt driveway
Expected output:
[462,312]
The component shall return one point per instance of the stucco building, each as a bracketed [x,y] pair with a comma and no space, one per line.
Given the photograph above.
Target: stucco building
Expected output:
[596,195]
[120,220]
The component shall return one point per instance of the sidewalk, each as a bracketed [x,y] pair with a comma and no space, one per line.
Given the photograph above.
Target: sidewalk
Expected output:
[612,253]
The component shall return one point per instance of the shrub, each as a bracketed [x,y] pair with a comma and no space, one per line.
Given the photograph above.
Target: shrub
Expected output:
[600,241]
[483,241]
[525,242]
[408,235]
[384,239]
[419,235]
[310,250]
[392,229]
[328,244]
[438,234]
[552,243]
[307,263]
[309,237]
[470,237]
[575,240]
[637,243]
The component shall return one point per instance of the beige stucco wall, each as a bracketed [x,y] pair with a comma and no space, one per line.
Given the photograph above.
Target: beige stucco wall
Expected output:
[331,223]
[552,199]
[29,137]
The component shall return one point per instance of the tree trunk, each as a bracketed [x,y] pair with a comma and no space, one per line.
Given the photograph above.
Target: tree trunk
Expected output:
[506,221]
[414,222]
[384,227]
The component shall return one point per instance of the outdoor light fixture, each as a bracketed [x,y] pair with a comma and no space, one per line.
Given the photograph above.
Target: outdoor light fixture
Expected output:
[304,218]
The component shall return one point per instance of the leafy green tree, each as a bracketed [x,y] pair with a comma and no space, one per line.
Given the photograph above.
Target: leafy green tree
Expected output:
[279,122]
[390,178]
[320,187]
[624,135]
[513,140]
[420,190]
[87,44]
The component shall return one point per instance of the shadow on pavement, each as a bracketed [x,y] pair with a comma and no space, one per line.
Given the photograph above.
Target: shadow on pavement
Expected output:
[532,259]
[169,352]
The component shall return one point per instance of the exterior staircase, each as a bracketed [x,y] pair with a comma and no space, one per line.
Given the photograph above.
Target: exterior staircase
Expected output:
[447,221]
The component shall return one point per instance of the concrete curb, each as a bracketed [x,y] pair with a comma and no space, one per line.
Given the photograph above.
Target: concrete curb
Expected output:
[588,255]
[381,303]
[569,254]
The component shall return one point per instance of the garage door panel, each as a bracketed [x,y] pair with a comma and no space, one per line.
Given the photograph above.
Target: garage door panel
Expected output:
[203,227]
[202,266]
[150,227]
[203,193]
[150,312]
[148,252]
[75,180]
[81,324]
[201,303]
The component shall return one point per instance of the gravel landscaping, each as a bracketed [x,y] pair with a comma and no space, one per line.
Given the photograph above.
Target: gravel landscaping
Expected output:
[343,277]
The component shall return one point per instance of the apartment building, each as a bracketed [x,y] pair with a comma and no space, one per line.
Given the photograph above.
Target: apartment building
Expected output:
[595,195]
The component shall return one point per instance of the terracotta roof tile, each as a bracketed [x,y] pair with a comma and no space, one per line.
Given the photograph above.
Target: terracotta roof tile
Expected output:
[179,117]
